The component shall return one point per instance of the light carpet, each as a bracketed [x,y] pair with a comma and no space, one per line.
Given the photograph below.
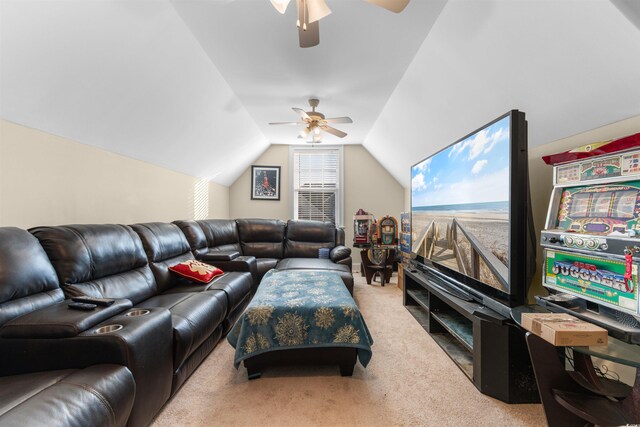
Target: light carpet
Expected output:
[410,381]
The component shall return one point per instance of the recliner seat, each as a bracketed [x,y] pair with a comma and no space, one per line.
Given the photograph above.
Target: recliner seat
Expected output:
[166,245]
[109,261]
[100,395]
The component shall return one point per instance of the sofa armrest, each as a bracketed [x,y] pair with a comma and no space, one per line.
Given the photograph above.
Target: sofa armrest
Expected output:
[215,256]
[241,264]
[143,343]
[339,253]
[58,321]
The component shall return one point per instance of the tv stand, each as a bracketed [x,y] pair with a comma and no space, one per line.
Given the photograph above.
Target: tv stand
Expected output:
[488,347]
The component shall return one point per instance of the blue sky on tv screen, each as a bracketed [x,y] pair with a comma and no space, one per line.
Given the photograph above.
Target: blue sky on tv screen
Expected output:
[475,170]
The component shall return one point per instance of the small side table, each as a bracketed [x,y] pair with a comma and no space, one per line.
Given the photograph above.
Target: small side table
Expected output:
[571,398]
[383,266]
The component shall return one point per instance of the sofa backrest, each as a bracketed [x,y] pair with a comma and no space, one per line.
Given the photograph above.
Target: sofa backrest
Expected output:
[262,238]
[340,237]
[165,246]
[221,234]
[28,281]
[305,238]
[194,235]
[103,260]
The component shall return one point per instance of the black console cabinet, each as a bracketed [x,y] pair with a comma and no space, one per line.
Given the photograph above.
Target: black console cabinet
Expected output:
[489,348]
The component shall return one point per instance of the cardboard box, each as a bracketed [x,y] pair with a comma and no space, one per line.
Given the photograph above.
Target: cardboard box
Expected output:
[401,276]
[564,330]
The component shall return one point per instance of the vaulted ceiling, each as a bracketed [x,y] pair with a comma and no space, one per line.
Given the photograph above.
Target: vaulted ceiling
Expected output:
[191,85]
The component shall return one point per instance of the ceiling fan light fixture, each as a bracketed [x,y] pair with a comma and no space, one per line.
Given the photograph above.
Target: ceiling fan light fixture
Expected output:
[280,5]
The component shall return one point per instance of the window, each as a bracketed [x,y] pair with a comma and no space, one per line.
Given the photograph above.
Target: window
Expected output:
[317,186]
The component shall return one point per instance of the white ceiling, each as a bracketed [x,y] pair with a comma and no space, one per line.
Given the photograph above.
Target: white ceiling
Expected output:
[191,84]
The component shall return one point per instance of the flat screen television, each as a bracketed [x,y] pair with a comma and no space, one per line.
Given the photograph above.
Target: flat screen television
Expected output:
[471,224]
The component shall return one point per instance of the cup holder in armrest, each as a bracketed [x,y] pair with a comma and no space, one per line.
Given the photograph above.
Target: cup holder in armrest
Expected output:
[108,328]
[137,312]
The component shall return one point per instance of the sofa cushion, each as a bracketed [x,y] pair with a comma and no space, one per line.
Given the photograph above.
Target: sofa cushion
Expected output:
[194,317]
[262,238]
[102,260]
[221,234]
[194,235]
[318,264]
[196,271]
[236,286]
[100,395]
[161,240]
[165,245]
[27,278]
[305,238]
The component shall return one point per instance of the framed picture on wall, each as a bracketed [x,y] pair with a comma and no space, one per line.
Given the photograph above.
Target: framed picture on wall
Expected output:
[265,182]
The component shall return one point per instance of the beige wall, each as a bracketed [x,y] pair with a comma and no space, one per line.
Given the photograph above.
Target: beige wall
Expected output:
[367,185]
[218,201]
[240,203]
[47,180]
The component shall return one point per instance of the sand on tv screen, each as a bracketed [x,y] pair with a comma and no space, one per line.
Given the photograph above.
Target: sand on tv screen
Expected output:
[460,206]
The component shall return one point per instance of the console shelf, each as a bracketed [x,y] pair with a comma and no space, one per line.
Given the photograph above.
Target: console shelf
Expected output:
[487,347]
[457,325]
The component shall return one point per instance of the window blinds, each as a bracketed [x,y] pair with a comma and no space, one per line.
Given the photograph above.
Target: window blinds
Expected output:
[316,184]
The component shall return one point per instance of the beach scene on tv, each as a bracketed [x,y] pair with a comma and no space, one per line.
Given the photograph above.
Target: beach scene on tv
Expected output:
[460,206]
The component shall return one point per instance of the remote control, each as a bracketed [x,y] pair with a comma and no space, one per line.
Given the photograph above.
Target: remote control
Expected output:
[104,302]
[82,306]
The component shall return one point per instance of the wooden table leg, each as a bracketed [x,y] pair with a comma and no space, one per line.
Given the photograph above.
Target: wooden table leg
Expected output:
[585,375]
[550,374]
[631,404]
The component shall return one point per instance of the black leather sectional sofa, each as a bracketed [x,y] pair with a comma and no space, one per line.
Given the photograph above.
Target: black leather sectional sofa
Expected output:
[264,244]
[124,361]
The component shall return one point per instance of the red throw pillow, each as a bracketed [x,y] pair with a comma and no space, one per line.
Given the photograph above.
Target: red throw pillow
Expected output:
[196,270]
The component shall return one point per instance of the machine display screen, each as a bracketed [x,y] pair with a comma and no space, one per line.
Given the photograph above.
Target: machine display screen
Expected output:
[600,209]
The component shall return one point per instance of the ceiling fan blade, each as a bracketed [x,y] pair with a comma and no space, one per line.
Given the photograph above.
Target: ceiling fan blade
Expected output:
[280,5]
[339,120]
[288,123]
[333,131]
[396,6]
[308,32]
[316,10]
[303,114]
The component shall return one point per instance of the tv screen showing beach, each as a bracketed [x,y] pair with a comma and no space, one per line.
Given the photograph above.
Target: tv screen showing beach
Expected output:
[460,206]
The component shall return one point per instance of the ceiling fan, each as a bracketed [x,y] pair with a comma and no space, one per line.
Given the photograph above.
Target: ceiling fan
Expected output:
[310,12]
[314,122]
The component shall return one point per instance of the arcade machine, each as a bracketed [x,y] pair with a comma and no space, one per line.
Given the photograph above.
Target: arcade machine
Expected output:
[591,240]
[361,224]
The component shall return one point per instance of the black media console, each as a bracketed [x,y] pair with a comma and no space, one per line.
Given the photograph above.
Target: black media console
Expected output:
[488,347]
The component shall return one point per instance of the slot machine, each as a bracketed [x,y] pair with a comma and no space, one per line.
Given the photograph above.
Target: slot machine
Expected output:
[591,239]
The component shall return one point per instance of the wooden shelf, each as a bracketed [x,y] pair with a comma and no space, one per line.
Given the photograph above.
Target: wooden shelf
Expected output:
[457,352]
[420,296]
